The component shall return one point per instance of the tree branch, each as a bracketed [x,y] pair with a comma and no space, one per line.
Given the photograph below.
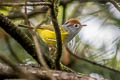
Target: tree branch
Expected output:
[58,36]
[8,72]
[21,38]
[28,4]
[18,71]
[16,33]
[64,13]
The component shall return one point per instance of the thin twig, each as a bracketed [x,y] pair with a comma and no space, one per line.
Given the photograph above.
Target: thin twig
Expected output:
[30,14]
[64,13]
[37,47]
[91,62]
[26,26]
[58,36]
[26,16]
[40,56]
[28,4]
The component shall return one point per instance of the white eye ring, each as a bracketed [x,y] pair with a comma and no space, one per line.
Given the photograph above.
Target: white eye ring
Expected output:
[76,25]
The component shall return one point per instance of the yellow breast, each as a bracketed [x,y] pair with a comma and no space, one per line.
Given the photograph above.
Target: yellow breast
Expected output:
[49,36]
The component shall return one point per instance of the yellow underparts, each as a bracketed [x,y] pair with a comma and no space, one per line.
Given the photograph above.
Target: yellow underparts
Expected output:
[49,36]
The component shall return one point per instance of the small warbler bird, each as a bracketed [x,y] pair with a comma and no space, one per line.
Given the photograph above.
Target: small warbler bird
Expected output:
[68,30]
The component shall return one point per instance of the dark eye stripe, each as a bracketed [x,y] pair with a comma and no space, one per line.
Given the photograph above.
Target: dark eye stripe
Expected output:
[66,22]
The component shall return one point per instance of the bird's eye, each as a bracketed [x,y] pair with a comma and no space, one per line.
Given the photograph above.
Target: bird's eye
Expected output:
[76,25]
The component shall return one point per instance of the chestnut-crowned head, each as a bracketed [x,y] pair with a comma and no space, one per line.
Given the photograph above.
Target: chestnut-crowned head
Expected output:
[73,26]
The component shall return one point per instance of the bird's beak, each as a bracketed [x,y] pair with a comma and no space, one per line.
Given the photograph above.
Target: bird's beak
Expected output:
[64,25]
[83,25]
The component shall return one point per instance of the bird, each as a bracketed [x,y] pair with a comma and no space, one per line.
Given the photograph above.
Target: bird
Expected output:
[68,31]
